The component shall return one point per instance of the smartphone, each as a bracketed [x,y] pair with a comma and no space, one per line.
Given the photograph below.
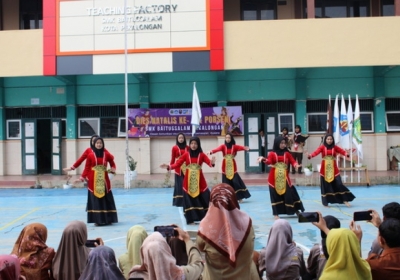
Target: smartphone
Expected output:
[308,217]
[166,231]
[362,216]
[90,243]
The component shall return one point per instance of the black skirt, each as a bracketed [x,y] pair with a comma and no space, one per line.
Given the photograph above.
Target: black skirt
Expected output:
[195,208]
[238,185]
[177,198]
[288,203]
[101,210]
[335,191]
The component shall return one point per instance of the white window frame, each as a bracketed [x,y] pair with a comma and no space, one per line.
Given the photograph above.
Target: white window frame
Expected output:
[387,124]
[308,128]
[372,122]
[13,121]
[88,119]
[120,133]
[279,122]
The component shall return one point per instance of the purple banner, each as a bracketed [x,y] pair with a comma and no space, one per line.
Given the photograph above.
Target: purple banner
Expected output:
[170,122]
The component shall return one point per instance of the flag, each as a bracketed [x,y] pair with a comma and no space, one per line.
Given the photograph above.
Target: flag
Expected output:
[344,127]
[350,117]
[357,138]
[335,131]
[329,120]
[196,111]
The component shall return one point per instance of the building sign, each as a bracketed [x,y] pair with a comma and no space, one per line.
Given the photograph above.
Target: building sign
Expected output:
[98,26]
[170,122]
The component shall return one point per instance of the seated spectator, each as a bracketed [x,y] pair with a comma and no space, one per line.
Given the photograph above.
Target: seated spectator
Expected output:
[178,250]
[390,210]
[34,255]
[226,236]
[319,254]
[159,264]
[386,265]
[10,268]
[134,240]
[344,251]
[71,256]
[281,259]
[101,265]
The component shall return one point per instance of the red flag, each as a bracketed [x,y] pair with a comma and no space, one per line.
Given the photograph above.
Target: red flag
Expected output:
[329,118]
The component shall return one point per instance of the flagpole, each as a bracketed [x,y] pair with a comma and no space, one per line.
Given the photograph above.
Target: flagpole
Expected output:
[126,177]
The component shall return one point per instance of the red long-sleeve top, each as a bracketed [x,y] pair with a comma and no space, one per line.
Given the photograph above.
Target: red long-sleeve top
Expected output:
[272,159]
[225,151]
[176,153]
[324,151]
[92,161]
[81,159]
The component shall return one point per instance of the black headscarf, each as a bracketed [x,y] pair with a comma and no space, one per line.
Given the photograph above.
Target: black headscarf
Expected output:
[99,152]
[91,140]
[195,153]
[276,148]
[229,145]
[331,145]
[331,222]
[182,145]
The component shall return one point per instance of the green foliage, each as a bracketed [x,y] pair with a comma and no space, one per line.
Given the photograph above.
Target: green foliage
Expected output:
[132,163]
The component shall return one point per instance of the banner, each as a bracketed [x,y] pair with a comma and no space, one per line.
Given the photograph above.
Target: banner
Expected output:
[170,122]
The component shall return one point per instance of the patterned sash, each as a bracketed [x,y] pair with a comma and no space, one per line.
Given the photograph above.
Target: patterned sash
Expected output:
[193,179]
[99,182]
[183,166]
[229,167]
[280,177]
[329,162]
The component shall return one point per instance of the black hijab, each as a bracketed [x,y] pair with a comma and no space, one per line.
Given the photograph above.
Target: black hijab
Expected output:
[99,152]
[229,145]
[276,148]
[182,145]
[195,153]
[331,222]
[91,140]
[331,145]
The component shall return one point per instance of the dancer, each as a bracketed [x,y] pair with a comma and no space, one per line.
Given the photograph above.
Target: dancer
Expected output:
[177,151]
[196,195]
[296,143]
[229,169]
[100,206]
[284,196]
[332,188]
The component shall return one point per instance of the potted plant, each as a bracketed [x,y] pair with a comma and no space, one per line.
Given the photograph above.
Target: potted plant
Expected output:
[67,184]
[308,169]
[132,168]
[167,183]
[38,184]
[110,173]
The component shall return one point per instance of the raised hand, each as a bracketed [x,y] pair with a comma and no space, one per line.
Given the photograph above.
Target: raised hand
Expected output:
[164,166]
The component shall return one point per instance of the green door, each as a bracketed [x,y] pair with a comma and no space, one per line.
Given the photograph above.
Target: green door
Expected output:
[56,135]
[29,151]
[252,140]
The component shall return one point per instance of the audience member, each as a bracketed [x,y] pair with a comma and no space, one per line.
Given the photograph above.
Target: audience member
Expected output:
[281,259]
[226,236]
[34,255]
[72,253]
[101,265]
[10,268]
[134,240]
[159,264]
[178,250]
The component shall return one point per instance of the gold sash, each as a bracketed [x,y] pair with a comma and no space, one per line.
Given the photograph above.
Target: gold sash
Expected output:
[99,181]
[229,167]
[193,179]
[183,166]
[329,162]
[280,177]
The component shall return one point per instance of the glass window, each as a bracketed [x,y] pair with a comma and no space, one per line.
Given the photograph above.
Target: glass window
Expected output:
[258,9]
[286,120]
[13,129]
[109,127]
[340,8]
[121,127]
[88,127]
[392,121]
[316,122]
[387,8]
[31,15]
[367,121]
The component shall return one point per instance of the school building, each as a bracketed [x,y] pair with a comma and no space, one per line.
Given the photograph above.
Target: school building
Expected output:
[63,65]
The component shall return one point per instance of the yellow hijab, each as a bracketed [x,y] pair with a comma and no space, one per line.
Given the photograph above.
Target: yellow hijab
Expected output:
[344,257]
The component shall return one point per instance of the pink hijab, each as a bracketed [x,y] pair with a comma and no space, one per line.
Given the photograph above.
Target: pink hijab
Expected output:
[9,268]
[157,260]
[225,227]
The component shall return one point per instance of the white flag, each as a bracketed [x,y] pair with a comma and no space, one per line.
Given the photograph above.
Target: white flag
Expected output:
[350,117]
[196,111]
[336,134]
[357,137]
[344,127]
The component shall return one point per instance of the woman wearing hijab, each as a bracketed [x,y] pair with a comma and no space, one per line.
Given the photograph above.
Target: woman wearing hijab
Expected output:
[134,240]
[319,254]
[102,265]
[177,151]
[297,142]
[281,259]
[72,254]
[196,195]
[226,236]
[10,268]
[332,188]
[34,255]
[284,196]
[159,264]
[229,169]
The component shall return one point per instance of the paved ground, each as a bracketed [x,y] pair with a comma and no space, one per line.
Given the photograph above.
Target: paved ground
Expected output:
[152,206]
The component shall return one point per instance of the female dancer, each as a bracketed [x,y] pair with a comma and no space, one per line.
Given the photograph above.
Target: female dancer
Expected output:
[177,151]
[332,188]
[196,195]
[100,206]
[284,196]
[229,169]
